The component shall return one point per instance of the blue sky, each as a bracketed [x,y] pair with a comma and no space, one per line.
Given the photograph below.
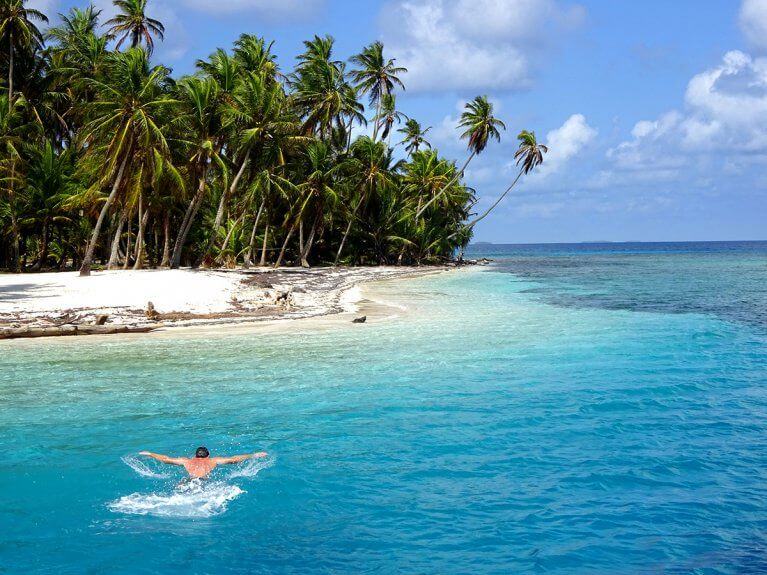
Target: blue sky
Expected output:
[655,111]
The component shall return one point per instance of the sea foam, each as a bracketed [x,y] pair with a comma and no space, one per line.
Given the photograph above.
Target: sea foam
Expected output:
[191,500]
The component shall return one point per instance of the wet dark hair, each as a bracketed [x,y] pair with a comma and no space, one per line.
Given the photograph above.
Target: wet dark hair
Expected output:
[202,452]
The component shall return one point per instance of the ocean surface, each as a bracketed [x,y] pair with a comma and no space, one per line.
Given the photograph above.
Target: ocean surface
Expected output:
[569,409]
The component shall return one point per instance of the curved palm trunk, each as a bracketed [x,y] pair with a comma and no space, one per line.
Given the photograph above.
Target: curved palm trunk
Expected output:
[457,176]
[10,72]
[227,193]
[310,241]
[346,233]
[85,268]
[490,209]
[114,255]
[292,230]
[128,244]
[230,232]
[166,243]
[186,223]
[376,119]
[262,263]
[143,217]
[43,255]
[252,243]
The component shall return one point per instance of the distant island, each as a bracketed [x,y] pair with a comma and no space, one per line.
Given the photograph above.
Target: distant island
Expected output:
[110,161]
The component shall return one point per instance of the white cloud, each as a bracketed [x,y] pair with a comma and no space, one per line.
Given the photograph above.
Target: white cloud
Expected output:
[753,22]
[724,117]
[470,44]
[565,143]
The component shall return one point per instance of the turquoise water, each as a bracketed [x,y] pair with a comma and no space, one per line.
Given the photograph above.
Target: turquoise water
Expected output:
[571,409]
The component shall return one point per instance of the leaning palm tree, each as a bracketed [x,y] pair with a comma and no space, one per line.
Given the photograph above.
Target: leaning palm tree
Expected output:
[479,126]
[124,119]
[376,76]
[16,24]
[529,155]
[132,22]
[415,136]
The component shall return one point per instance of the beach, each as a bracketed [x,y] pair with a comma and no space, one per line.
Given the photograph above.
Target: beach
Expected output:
[184,298]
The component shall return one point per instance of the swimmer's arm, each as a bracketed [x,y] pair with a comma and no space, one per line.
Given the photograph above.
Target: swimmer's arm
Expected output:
[238,458]
[164,458]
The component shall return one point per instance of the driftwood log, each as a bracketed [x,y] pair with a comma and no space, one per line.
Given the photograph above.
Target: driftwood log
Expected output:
[32,332]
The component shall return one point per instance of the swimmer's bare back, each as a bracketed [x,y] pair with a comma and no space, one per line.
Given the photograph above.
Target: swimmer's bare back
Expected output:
[201,465]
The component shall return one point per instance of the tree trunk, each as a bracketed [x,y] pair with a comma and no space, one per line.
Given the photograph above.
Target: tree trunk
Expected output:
[43,247]
[301,237]
[225,195]
[309,242]
[490,209]
[114,256]
[262,263]
[252,243]
[186,224]
[346,233]
[85,268]
[16,244]
[143,217]
[457,176]
[128,245]
[10,72]
[292,230]
[375,120]
[229,234]
[166,244]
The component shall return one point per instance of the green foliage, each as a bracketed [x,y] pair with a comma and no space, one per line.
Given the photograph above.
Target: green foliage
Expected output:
[98,144]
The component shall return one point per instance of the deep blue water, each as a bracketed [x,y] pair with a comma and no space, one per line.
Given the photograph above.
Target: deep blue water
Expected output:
[569,409]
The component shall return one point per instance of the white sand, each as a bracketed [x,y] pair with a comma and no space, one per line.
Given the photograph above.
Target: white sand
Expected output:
[52,298]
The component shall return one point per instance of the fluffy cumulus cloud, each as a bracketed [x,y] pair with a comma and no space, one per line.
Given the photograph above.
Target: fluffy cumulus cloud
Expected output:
[565,143]
[725,117]
[472,44]
[753,22]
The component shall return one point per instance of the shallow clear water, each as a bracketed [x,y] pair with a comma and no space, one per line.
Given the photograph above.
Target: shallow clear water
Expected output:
[572,409]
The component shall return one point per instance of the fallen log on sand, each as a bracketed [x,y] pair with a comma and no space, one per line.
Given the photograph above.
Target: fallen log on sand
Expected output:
[31,332]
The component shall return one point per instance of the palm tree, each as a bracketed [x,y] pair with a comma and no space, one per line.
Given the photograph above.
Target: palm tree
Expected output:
[201,126]
[529,155]
[415,137]
[75,25]
[316,191]
[389,115]
[376,76]
[370,166]
[47,180]
[258,119]
[124,119]
[479,126]
[133,22]
[16,24]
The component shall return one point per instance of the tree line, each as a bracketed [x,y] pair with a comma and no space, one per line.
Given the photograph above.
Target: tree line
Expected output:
[108,160]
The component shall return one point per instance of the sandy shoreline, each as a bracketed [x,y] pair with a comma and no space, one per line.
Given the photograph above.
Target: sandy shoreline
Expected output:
[186,298]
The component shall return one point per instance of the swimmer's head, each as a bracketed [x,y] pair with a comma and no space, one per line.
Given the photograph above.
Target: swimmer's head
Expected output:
[202,452]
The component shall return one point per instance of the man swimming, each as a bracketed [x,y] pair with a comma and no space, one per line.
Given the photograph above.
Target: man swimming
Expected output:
[200,466]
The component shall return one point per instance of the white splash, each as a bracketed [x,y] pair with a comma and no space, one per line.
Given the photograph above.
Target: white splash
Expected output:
[250,468]
[142,468]
[193,499]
